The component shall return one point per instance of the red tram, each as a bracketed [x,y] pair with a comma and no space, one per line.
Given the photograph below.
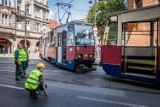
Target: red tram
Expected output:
[70,46]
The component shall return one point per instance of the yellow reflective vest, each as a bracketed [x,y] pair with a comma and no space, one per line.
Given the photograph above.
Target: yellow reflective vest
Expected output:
[20,57]
[33,80]
[25,56]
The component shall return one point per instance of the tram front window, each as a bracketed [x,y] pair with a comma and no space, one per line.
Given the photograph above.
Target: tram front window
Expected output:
[84,35]
[84,38]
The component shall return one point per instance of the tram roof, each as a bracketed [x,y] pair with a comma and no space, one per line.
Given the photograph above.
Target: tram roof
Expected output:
[139,14]
[71,22]
[74,22]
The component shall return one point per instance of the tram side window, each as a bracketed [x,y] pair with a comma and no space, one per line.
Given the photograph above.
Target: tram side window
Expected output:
[111,31]
[49,39]
[53,40]
[70,37]
[138,3]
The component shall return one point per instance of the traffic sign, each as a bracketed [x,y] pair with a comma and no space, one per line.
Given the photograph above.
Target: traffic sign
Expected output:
[95,29]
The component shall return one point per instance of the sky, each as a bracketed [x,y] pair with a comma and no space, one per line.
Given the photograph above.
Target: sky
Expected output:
[79,10]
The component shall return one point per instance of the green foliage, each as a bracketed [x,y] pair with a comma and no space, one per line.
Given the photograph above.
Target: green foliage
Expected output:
[102,9]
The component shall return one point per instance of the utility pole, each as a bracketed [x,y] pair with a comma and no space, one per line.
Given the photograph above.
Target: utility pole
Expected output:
[95,14]
[25,27]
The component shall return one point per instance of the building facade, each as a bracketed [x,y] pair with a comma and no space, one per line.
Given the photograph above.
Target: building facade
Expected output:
[14,14]
[139,30]
[134,4]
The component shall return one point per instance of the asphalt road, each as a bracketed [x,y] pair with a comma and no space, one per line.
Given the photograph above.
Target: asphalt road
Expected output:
[68,89]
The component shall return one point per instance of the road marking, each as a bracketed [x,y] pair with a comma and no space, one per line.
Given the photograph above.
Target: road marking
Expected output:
[111,102]
[10,76]
[90,89]
[9,86]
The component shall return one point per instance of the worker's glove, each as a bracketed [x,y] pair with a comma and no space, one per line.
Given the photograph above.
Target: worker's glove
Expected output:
[18,61]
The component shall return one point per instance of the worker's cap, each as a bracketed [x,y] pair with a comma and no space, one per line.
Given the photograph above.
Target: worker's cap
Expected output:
[40,65]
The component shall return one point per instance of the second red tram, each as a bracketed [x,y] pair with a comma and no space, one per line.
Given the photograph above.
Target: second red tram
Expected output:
[71,46]
[131,46]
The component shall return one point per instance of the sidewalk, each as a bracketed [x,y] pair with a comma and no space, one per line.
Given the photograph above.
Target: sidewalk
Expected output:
[32,56]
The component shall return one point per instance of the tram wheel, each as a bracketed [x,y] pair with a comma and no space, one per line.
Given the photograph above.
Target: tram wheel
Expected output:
[94,68]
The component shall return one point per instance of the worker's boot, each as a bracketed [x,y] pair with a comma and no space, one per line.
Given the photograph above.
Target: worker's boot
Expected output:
[31,95]
[17,78]
[35,96]
[23,75]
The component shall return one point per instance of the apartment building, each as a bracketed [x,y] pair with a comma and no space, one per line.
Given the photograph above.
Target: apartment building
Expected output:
[134,4]
[141,30]
[14,14]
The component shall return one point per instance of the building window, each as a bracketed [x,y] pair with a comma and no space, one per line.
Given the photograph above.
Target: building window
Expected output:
[10,21]
[27,9]
[19,25]
[10,3]
[44,14]
[44,30]
[5,2]
[37,12]
[5,20]
[18,6]
[37,27]
[138,3]
[28,25]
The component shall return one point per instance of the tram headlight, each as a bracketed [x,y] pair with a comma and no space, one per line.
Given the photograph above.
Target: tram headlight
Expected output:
[91,56]
[79,56]
[85,55]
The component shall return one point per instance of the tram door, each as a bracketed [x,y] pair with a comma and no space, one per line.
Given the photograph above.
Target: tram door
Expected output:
[62,40]
[46,47]
[140,49]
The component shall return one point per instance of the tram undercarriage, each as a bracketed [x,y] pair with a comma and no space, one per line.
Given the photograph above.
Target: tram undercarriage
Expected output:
[83,66]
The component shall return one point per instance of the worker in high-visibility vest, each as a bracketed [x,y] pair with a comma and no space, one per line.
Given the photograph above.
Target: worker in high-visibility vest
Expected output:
[25,61]
[17,60]
[35,82]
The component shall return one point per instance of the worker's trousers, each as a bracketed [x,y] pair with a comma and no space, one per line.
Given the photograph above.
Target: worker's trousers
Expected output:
[24,67]
[18,71]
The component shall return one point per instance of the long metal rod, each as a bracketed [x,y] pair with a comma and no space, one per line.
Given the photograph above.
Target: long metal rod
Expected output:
[95,15]
[25,27]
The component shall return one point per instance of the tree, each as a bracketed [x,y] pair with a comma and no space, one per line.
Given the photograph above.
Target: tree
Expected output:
[102,9]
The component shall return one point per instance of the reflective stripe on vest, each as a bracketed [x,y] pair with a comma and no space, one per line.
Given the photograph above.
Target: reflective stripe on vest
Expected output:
[33,80]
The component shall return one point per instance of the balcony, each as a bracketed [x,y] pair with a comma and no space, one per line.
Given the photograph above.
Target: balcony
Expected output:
[7,30]
[6,11]
[41,5]
[28,2]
